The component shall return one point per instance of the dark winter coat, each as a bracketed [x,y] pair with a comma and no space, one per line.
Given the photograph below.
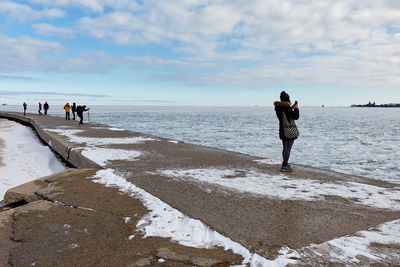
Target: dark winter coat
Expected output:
[80,110]
[289,112]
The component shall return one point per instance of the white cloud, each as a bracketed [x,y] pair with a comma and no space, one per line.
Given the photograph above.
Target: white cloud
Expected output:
[29,54]
[24,13]
[23,52]
[50,30]
[283,40]
[92,5]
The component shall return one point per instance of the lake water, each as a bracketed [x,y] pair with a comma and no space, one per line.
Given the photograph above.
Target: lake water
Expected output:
[361,141]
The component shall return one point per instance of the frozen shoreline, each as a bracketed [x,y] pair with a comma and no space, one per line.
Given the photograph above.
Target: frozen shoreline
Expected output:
[23,157]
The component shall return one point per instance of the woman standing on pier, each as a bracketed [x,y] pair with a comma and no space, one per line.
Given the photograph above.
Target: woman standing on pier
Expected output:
[286,114]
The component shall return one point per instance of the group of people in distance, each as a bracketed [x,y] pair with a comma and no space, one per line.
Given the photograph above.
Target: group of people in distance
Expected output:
[78,109]
[75,109]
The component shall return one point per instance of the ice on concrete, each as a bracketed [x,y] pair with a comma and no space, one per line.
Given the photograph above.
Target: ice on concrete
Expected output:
[94,141]
[24,157]
[361,245]
[116,129]
[165,221]
[269,161]
[283,187]
[127,219]
[103,156]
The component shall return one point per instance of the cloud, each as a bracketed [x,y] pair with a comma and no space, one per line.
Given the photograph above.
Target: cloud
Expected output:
[11,77]
[28,54]
[14,93]
[25,53]
[229,42]
[25,13]
[209,28]
[50,30]
[96,6]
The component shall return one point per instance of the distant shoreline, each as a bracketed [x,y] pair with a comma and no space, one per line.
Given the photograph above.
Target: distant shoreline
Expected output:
[373,105]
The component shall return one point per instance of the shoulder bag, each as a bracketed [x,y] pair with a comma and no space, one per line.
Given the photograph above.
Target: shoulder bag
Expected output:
[290,130]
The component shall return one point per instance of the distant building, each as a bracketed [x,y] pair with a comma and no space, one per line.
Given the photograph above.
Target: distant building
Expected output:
[373,104]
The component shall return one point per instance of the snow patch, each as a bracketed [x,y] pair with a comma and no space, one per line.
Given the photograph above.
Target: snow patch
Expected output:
[283,187]
[24,157]
[349,248]
[165,221]
[269,161]
[102,156]
[94,141]
[116,129]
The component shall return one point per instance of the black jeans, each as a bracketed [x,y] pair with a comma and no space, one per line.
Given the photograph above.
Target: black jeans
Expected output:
[287,146]
[67,115]
[80,118]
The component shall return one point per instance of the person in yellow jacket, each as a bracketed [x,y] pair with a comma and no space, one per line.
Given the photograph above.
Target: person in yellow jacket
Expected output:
[67,109]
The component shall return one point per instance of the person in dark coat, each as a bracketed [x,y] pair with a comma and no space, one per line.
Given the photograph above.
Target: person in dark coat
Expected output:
[291,112]
[73,108]
[79,112]
[25,105]
[45,107]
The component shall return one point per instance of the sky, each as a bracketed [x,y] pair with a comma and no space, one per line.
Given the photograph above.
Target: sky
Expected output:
[199,52]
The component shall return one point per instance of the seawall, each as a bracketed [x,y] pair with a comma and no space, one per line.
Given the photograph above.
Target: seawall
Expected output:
[242,197]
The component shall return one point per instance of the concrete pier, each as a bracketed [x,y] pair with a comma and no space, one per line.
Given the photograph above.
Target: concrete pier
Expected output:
[66,219]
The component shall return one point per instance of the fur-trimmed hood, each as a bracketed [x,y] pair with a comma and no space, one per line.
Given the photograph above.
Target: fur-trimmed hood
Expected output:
[282,104]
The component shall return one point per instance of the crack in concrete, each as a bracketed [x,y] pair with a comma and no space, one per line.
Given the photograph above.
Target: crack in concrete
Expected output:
[44,197]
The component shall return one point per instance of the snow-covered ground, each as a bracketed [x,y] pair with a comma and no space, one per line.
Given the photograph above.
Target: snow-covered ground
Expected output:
[23,157]
[165,221]
[94,149]
[93,141]
[283,187]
